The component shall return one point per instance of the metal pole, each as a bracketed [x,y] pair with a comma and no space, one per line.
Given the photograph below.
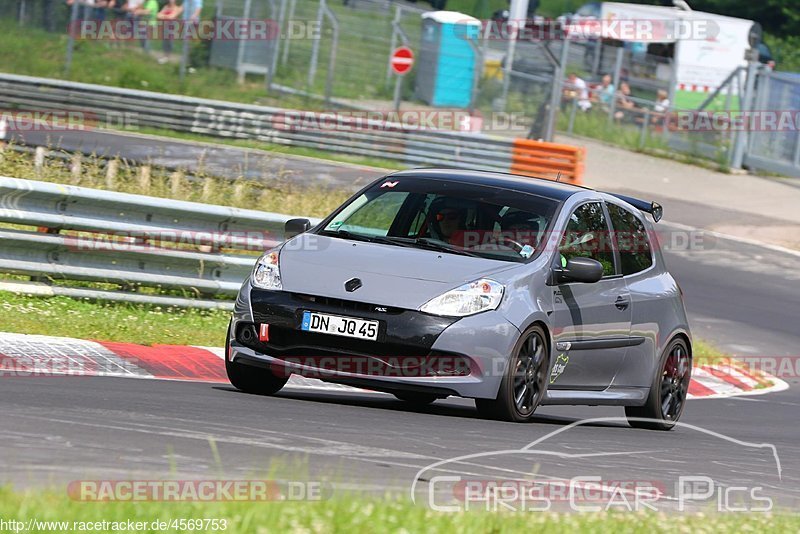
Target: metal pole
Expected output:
[572,113]
[555,90]
[796,158]
[718,90]
[673,78]
[398,30]
[312,66]
[737,158]
[276,45]
[617,69]
[240,44]
[398,82]
[476,72]
[645,127]
[332,59]
[393,41]
[285,56]
[598,53]
[187,19]
[518,13]
[21,13]
[71,40]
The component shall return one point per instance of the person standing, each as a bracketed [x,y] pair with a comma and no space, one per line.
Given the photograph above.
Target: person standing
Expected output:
[169,13]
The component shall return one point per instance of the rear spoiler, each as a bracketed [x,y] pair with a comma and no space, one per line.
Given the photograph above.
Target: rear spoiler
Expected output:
[652,208]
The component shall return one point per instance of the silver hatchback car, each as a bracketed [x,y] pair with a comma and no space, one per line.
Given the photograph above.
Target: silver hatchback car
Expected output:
[514,291]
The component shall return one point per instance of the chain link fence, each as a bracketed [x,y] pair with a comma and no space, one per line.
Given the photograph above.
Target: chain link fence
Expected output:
[777,150]
[338,51]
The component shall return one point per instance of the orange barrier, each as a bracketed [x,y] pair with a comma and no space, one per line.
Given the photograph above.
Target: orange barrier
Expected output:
[546,160]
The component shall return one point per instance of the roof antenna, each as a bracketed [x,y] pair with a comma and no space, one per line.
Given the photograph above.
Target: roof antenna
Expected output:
[558,177]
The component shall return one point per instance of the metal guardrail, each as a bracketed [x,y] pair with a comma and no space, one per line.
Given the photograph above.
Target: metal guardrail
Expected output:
[272,125]
[131,240]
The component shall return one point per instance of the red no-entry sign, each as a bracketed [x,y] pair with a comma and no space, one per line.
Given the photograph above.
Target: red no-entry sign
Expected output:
[402,60]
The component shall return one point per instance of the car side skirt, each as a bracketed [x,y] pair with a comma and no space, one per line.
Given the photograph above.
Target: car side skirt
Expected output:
[613,396]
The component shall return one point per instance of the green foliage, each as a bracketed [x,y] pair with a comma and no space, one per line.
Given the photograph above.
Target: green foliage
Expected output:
[357,514]
[112,321]
[786,52]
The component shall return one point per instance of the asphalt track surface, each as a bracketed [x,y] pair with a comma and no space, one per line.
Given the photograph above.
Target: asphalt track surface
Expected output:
[218,160]
[744,298]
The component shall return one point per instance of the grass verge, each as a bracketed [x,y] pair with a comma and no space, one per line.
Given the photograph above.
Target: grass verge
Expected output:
[363,515]
[140,323]
[279,195]
[112,321]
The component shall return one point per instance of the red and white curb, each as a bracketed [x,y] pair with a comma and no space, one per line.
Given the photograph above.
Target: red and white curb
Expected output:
[35,355]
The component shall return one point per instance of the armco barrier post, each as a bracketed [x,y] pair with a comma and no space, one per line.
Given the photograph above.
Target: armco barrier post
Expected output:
[3,132]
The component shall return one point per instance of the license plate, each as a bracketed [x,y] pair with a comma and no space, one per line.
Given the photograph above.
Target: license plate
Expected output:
[339,326]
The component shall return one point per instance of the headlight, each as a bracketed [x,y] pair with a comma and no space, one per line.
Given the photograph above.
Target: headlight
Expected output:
[266,273]
[478,296]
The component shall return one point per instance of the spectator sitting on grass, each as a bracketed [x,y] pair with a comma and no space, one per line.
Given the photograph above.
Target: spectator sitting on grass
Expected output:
[605,94]
[661,107]
[576,89]
[662,102]
[624,103]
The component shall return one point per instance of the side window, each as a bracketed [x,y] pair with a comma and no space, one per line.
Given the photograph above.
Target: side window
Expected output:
[632,241]
[587,236]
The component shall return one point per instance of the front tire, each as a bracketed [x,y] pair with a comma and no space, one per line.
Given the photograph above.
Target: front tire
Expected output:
[251,379]
[524,383]
[667,396]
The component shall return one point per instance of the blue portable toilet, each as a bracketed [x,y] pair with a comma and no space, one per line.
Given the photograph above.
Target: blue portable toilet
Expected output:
[446,62]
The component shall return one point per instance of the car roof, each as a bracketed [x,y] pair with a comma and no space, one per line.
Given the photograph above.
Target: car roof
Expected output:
[525,184]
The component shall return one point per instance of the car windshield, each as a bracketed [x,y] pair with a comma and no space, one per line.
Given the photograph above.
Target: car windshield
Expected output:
[449,217]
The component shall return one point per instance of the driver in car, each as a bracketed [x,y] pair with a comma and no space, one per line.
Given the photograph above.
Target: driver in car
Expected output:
[447,220]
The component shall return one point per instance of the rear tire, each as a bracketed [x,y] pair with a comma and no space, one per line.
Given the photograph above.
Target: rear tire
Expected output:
[667,397]
[416,399]
[251,379]
[525,382]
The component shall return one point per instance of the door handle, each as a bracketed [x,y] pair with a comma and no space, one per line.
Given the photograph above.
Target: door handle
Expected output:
[622,303]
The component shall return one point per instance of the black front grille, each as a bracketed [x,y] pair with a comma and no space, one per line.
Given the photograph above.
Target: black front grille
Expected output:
[400,332]
[346,305]
[340,353]
[291,342]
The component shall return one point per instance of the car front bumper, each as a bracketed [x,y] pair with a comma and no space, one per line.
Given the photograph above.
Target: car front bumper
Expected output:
[414,351]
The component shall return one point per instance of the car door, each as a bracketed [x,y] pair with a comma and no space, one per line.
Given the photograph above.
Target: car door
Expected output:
[646,285]
[592,321]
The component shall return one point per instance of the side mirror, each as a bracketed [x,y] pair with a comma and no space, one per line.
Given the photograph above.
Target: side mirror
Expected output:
[294,227]
[584,270]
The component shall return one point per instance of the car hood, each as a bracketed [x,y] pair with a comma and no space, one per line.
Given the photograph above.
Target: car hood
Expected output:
[390,275]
